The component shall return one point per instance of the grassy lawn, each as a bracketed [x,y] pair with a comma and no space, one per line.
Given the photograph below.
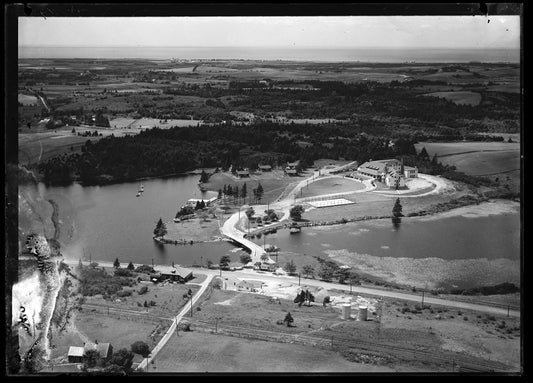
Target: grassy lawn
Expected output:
[203,352]
[121,333]
[330,186]
[273,183]
[169,299]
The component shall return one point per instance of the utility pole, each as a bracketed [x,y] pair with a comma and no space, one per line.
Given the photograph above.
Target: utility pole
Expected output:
[422,299]
[201,262]
[298,279]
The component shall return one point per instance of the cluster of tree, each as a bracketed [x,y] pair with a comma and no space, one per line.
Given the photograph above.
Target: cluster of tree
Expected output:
[303,297]
[93,281]
[329,270]
[296,212]
[185,210]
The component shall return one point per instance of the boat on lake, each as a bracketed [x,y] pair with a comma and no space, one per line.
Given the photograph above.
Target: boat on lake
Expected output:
[294,228]
[138,194]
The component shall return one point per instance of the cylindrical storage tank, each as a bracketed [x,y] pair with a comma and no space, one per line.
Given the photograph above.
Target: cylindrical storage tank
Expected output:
[346,311]
[361,315]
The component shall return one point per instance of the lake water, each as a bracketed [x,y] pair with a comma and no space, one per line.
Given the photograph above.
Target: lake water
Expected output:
[450,238]
[108,222]
[291,54]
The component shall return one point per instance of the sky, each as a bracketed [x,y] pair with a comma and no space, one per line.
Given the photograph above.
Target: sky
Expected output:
[306,32]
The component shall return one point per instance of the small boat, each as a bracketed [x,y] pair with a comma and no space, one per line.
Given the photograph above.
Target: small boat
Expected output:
[138,194]
[177,220]
[294,228]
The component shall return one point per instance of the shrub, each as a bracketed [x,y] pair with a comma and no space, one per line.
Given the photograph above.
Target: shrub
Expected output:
[120,272]
[141,348]
[124,293]
[143,290]
[152,303]
[465,318]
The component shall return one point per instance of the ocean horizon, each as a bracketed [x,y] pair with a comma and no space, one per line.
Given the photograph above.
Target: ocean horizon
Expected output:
[373,55]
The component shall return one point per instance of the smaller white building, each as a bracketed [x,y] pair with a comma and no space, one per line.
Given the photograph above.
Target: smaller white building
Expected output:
[410,172]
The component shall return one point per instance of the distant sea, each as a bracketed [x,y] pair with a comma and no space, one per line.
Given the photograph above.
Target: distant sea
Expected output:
[375,55]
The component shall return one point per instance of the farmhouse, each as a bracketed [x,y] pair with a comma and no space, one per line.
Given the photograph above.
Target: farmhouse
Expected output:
[104,349]
[77,354]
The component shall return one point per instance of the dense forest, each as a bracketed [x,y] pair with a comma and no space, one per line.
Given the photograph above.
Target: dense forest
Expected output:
[159,152]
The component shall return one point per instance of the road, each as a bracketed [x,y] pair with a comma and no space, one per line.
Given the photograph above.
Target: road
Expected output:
[230,230]
[186,309]
[428,299]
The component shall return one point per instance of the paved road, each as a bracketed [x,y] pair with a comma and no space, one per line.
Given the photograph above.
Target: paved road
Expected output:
[185,310]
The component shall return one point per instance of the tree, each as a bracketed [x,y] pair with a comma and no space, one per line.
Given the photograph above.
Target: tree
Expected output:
[224,261]
[259,191]
[309,297]
[296,212]
[308,270]
[141,348]
[236,193]
[220,193]
[204,177]
[123,359]
[290,267]
[91,358]
[288,319]
[116,264]
[249,213]
[264,257]
[271,215]
[434,161]
[397,209]
[244,192]
[424,154]
[160,229]
[246,258]
[130,267]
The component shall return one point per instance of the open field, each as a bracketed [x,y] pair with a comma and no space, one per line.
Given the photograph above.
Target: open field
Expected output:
[25,99]
[459,98]
[492,159]
[204,352]
[195,229]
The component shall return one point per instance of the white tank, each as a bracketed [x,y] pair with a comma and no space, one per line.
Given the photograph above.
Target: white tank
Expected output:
[346,311]
[362,314]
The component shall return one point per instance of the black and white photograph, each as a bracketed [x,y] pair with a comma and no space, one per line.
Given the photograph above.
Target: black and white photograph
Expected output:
[293,189]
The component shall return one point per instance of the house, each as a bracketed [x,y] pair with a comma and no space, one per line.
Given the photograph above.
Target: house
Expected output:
[291,172]
[268,266]
[243,173]
[249,285]
[75,354]
[265,168]
[176,274]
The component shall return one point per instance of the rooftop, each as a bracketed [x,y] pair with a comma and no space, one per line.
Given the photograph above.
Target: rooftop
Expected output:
[177,270]
[76,351]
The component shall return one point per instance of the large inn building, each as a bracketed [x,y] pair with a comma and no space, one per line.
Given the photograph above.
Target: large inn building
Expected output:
[388,171]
